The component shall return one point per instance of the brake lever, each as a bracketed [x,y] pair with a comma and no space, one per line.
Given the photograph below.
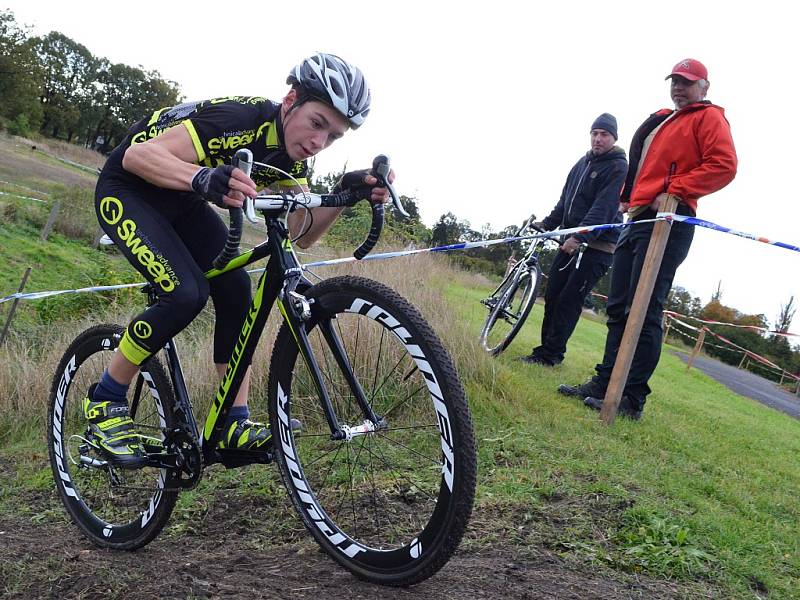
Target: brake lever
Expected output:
[243,159]
[381,169]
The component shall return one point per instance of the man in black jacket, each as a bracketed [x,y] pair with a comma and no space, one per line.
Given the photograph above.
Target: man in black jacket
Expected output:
[590,197]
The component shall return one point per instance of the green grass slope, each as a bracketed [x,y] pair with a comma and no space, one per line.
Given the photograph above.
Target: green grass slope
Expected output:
[705,486]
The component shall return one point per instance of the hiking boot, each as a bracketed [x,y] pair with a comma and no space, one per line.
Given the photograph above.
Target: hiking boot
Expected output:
[111,429]
[244,434]
[591,387]
[533,359]
[625,408]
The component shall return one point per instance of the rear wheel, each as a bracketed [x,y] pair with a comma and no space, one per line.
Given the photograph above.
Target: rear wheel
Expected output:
[391,501]
[114,507]
[509,307]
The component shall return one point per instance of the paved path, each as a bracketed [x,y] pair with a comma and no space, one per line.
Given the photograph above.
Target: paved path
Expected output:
[747,384]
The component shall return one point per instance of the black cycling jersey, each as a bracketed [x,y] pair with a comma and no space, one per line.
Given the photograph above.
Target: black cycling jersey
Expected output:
[171,237]
[220,127]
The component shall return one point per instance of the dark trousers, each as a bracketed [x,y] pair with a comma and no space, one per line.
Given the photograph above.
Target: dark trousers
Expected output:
[627,266]
[171,238]
[567,288]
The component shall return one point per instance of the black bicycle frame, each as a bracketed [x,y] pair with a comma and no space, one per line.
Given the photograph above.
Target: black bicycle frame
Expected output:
[281,278]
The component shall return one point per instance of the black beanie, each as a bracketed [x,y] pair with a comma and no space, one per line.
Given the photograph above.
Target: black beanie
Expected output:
[608,122]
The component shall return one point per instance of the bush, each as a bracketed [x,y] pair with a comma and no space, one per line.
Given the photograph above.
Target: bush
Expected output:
[19,126]
[76,217]
[24,214]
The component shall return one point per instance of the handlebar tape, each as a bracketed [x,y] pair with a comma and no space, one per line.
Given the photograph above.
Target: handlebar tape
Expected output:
[243,159]
[374,232]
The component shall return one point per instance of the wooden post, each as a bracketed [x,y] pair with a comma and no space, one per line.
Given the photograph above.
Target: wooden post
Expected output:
[741,362]
[51,220]
[797,391]
[633,328]
[667,323]
[98,235]
[14,305]
[697,347]
[783,374]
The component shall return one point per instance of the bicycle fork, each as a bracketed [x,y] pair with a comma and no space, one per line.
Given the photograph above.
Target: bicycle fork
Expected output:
[297,311]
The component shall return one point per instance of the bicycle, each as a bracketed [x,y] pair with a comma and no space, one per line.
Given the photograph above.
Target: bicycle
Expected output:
[511,302]
[381,467]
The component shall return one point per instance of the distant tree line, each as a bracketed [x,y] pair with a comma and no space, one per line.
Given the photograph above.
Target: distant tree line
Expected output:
[55,86]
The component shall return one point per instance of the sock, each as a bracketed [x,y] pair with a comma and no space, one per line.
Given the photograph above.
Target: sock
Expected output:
[108,389]
[237,413]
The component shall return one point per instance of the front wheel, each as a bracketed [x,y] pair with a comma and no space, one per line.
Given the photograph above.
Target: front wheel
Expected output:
[509,307]
[117,508]
[389,501]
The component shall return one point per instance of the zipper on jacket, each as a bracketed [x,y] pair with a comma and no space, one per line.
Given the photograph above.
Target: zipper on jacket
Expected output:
[568,212]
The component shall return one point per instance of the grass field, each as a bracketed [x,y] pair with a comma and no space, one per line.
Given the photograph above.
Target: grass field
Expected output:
[703,490]
[706,483]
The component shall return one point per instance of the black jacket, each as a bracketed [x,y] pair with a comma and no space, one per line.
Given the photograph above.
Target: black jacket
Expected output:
[591,196]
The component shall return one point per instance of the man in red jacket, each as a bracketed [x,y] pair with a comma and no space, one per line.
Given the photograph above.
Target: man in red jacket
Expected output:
[685,153]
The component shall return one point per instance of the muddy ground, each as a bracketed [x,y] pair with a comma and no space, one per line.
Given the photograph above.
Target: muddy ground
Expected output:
[231,547]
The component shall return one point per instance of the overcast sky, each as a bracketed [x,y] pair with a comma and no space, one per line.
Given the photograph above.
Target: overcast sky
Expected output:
[484,107]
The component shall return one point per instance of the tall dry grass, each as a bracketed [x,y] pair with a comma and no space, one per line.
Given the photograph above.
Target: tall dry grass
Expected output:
[28,362]
[72,152]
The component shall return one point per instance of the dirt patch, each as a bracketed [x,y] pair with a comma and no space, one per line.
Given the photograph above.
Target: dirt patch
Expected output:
[53,561]
[227,542]
[226,554]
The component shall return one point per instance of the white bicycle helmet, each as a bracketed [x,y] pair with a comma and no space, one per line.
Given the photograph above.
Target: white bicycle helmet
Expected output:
[328,78]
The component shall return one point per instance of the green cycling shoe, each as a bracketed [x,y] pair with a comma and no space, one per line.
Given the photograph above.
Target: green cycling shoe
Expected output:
[111,429]
[244,434]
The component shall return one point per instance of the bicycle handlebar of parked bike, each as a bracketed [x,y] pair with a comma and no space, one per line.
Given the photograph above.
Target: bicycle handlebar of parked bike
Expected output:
[243,159]
[529,224]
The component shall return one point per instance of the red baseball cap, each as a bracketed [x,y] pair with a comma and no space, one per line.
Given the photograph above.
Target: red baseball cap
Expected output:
[690,69]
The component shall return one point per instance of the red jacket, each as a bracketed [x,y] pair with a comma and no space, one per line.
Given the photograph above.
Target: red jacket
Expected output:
[697,141]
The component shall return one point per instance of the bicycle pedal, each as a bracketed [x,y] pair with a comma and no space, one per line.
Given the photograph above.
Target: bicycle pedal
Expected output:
[152,447]
[233,459]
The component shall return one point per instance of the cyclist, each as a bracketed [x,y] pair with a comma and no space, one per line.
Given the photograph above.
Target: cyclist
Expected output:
[151,199]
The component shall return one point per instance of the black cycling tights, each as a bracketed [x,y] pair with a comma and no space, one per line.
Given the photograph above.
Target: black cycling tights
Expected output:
[171,238]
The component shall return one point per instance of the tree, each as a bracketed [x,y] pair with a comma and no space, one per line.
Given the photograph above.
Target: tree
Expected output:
[779,347]
[717,295]
[785,317]
[69,73]
[751,339]
[680,301]
[124,95]
[448,230]
[20,75]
